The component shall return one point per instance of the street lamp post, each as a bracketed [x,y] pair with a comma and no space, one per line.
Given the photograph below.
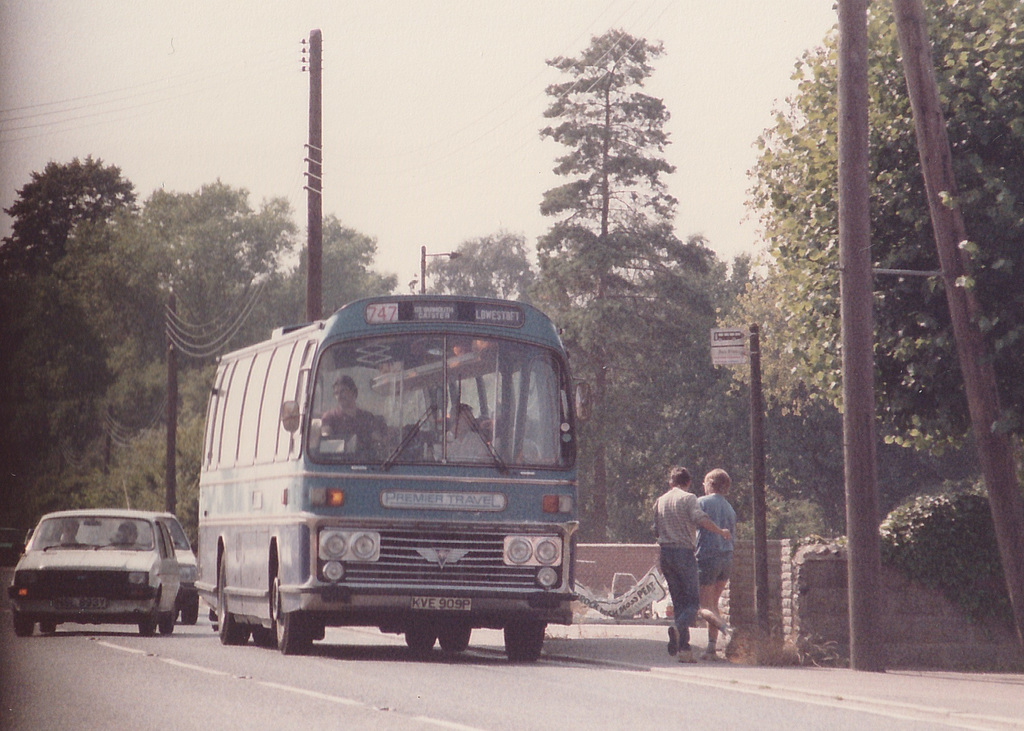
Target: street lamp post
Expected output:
[423,265]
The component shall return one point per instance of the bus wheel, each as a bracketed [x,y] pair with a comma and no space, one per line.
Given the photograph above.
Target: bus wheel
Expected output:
[232,632]
[454,636]
[293,635]
[524,640]
[420,638]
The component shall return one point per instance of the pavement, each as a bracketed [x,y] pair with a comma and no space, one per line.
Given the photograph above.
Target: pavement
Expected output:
[957,699]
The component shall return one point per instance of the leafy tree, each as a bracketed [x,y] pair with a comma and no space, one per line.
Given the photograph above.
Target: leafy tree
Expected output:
[52,203]
[490,266]
[50,372]
[979,52]
[624,288]
[216,248]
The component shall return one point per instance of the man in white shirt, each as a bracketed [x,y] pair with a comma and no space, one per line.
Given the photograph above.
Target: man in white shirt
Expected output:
[676,519]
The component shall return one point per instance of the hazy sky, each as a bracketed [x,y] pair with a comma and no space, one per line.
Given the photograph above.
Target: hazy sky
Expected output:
[431,109]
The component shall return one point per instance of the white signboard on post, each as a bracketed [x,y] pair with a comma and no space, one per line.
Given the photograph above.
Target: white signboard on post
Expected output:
[728,346]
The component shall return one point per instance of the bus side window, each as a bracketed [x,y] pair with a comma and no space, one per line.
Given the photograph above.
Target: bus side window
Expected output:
[274,395]
[214,416]
[301,393]
[223,423]
[253,408]
[233,412]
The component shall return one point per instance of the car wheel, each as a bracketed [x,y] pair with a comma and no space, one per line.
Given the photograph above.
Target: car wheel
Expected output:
[166,622]
[293,633]
[23,626]
[420,638]
[190,611]
[147,626]
[47,628]
[454,636]
[524,640]
[232,632]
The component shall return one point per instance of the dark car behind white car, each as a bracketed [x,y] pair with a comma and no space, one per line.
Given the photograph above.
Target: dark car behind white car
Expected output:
[188,596]
[97,567]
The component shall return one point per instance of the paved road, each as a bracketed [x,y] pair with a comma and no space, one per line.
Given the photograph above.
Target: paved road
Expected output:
[591,677]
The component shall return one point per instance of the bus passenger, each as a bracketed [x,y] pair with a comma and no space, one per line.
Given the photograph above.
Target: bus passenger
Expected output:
[347,421]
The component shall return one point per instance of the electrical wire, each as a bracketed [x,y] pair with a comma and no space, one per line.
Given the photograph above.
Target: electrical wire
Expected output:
[215,341]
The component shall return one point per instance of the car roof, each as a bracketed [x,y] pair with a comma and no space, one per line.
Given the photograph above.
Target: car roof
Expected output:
[106,513]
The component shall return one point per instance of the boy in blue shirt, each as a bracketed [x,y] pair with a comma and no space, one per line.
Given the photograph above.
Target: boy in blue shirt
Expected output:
[714,554]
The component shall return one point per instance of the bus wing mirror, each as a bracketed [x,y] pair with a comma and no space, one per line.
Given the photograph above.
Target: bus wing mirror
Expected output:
[583,400]
[290,416]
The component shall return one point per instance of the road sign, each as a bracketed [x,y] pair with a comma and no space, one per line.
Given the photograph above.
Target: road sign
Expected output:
[728,346]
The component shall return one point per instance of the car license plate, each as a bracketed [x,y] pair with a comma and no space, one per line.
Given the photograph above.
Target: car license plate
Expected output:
[444,604]
[80,602]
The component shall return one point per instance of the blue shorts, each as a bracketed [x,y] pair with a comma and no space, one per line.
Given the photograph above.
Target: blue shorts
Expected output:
[713,568]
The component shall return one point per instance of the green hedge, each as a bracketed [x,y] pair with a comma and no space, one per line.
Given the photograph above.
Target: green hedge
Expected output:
[948,543]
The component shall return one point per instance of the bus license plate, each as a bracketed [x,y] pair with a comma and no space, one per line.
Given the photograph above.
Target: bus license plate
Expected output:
[440,603]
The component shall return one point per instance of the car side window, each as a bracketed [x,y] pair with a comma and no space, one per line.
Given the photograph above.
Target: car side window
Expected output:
[166,549]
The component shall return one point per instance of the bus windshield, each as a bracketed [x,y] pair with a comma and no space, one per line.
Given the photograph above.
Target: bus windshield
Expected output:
[432,398]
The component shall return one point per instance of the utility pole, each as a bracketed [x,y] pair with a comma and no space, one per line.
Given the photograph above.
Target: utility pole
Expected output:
[758,480]
[314,184]
[864,567]
[423,270]
[995,451]
[171,474]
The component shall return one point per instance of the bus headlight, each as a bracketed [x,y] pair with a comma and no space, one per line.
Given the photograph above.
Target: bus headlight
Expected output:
[547,551]
[332,545]
[348,545]
[334,571]
[532,551]
[365,546]
[518,550]
[547,577]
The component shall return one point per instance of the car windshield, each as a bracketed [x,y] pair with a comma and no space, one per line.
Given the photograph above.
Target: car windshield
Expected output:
[94,532]
[440,399]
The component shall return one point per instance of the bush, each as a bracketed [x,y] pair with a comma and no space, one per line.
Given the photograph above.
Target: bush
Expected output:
[948,543]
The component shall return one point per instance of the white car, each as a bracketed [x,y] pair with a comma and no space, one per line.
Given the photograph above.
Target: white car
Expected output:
[97,567]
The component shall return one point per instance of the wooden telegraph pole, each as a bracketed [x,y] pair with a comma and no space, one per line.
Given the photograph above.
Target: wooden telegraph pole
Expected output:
[994,449]
[855,285]
[171,462]
[314,183]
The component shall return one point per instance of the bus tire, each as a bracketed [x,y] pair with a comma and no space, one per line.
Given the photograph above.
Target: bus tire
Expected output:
[524,640]
[293,635]
[231,631]
[454,636]
[420,637]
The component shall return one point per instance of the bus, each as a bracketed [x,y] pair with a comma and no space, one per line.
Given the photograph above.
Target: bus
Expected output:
[408,464]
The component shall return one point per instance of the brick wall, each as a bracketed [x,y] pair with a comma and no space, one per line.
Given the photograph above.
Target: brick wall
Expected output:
[810,604]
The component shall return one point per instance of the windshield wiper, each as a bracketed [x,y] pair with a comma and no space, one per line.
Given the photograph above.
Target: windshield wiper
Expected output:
[432,409]
[498,461]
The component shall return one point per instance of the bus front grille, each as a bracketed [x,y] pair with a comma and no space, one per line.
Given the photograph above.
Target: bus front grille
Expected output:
[441,559]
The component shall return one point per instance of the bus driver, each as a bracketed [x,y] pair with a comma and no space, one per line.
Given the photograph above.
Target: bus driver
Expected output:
[347,421]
